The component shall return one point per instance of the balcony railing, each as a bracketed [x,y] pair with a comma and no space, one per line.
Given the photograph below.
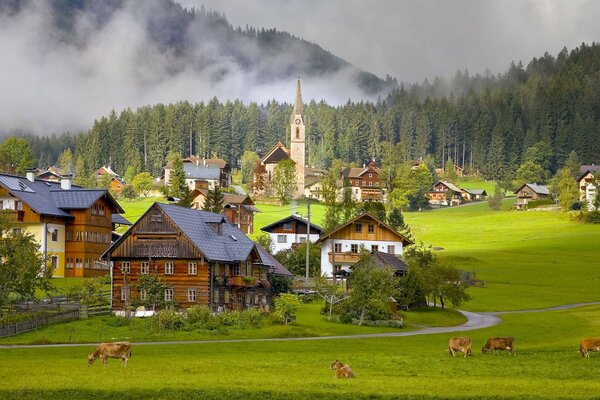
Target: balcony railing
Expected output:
[344,257]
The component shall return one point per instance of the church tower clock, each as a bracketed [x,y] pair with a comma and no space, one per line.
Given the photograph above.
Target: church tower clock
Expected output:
[297,141]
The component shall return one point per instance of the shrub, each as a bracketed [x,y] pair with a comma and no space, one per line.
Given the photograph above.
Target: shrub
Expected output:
[389,323]
[540,203]
[593,217]
[169,319]
[198,315]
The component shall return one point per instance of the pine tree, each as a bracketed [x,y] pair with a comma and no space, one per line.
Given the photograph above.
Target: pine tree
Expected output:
[214,200]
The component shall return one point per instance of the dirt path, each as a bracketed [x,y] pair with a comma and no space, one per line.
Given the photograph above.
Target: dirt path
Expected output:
[474,321]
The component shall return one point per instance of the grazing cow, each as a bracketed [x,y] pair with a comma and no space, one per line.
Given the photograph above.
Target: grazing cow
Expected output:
[495,344]
[342,370]
[459,344]
[588,345]
[120,350]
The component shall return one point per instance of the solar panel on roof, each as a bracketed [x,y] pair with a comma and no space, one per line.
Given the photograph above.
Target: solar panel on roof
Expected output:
[13,183]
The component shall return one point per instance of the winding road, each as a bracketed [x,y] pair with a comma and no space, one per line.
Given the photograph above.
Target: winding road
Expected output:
[478,320]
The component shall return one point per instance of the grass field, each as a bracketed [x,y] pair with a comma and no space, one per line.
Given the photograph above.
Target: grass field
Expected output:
[547,366]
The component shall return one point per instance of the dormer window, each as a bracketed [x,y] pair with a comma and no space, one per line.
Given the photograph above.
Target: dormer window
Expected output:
[217,227]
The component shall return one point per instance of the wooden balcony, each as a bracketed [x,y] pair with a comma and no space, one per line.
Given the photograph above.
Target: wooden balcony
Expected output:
[345,257]
[14,215]
[242,281]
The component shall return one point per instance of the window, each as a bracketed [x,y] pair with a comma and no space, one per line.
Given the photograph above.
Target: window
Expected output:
[192,268]
[370,175]
[54,262]
[192,295]
[248,268]
[94,210]
[303,239]
[357,227]
[124,293]
[364,183]
[391,249]
[101,209]
[88,263]
[297,133]
[145,267]
[69,236]
[168,294]
[337,268]
[370,183]
[236,270]
[126,267]
[69,263]
[78,263]
[54,236]
[355,183]
[374,247]
[354,248]
[169,268]
[337,247]
[143,294]
[281,239]
[371,228]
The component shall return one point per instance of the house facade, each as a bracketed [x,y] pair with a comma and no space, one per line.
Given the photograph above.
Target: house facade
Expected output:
[202,173]
[528,192]
[239,209]
[72,225]
[365,182]
[444,194]
[291,231]
[202,257]
[342,247]
[473,194]
[587,189]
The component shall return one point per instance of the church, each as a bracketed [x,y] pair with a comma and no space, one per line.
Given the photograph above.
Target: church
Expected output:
[263,174]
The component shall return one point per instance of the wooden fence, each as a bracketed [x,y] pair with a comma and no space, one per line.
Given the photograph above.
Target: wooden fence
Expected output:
[43,319]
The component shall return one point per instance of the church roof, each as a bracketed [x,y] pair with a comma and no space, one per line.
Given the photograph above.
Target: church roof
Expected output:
[278,152]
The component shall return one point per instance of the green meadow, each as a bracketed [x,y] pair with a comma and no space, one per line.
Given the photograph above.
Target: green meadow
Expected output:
[528,260]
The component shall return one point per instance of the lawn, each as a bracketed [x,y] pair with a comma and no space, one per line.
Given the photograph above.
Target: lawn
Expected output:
[546,366]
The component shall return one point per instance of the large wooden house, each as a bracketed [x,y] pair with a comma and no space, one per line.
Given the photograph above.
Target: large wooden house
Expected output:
[444,194]
[365,182]
[341,248]
[530,191]
[201,256]
[291,231]
[239,209]
[72,225]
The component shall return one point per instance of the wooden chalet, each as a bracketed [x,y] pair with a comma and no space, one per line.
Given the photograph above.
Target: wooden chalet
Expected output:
[341,248]
[239,209]
[202,257]
[72,225]
[365,182]
[588,189]
[291,231]
[473,194]
[444,194]
[528,192]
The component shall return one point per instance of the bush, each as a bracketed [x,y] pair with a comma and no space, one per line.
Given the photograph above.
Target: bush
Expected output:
[169,319]
[540,203]
[198,315]
[390,323]
[375,311]
[592,217]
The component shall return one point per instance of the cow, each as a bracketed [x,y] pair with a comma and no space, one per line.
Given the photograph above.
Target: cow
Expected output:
[459,344]
[120,350]
[588,345]
[342,370]
[495,344]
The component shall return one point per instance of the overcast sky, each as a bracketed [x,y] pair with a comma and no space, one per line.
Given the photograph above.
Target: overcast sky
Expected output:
[418,39]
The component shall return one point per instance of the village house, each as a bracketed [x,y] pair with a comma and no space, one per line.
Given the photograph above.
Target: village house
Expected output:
[473,194]
[444,194]
[53,174]
[202,173]
[202,257]
[365,182]
[238,208]
[528,192]
[341,248]
[291,231]
[72,225]
[587,189]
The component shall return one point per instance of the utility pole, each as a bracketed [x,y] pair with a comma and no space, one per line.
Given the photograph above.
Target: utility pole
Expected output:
[307,239]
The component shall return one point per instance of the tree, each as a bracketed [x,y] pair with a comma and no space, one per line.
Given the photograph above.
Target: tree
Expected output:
[495,201]
[369,284]
[573,164]
[530,172]
[284,180]
[214,200]
[568,193]
[178,187]
[155,288]
[396,221]
[286,306]
[348,204]
[249,159]
[142,183]
[332,209]
[16,156]
[22,266]
[264,240]
[66,161]
[449,171]
[294,259]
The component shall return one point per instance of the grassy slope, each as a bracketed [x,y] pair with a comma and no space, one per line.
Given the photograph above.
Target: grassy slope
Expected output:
[546,366]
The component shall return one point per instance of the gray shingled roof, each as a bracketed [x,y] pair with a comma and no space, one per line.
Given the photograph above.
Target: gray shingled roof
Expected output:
[539,189]
[209,172]
[291,218]
[119,219]
[76,199]
[268,259]
[475,191]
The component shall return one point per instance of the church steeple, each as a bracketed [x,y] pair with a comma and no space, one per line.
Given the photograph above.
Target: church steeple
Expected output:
[298,106]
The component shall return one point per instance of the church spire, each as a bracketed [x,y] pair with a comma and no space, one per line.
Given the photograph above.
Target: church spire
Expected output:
[298,106]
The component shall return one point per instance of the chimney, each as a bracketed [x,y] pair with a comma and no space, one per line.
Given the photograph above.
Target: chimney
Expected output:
[65,182]
[30,174]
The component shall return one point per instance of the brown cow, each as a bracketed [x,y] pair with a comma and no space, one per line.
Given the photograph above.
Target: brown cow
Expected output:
[120,350]
[588,345]
[495,344]
[459,344]
[342,370]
